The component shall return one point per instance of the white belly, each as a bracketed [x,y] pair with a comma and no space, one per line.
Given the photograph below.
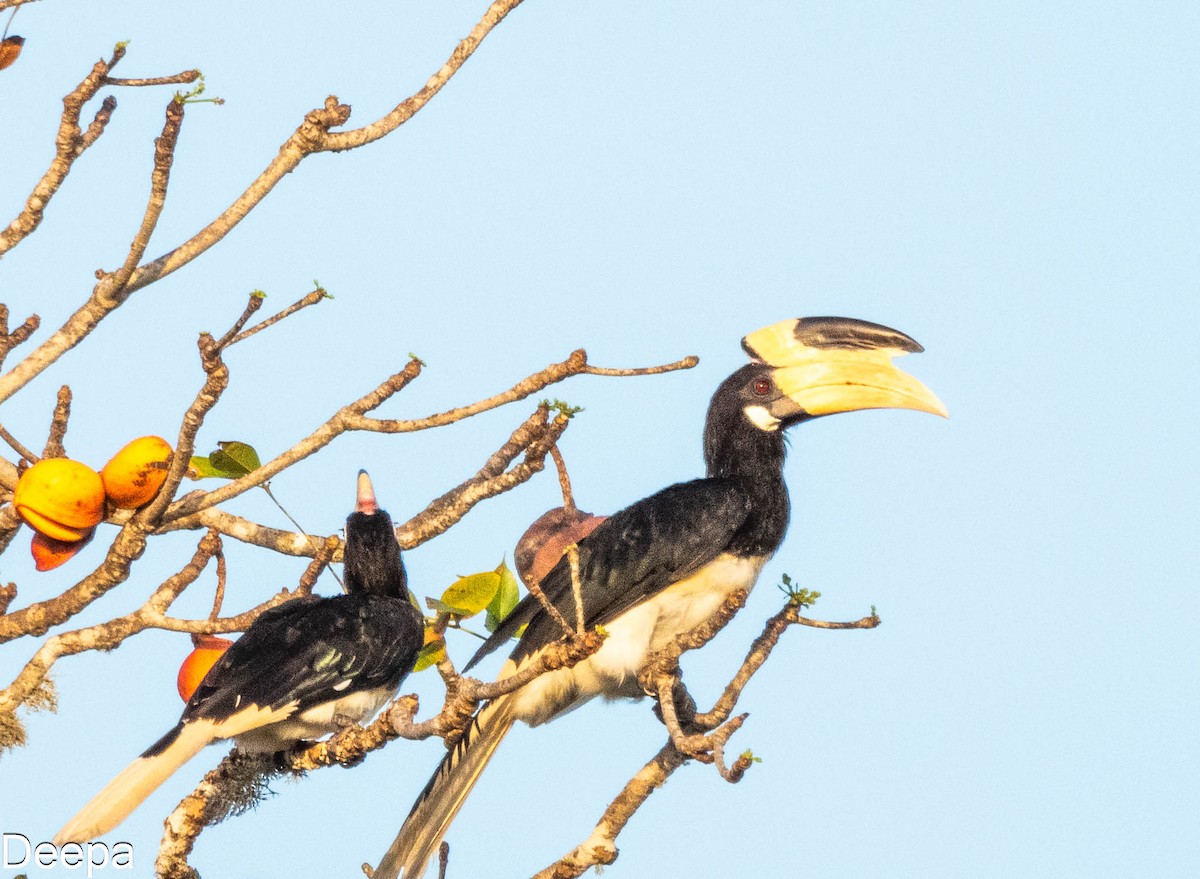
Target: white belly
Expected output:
[315,722]
[632,637]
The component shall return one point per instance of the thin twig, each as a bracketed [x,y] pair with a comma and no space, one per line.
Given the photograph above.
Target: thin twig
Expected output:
[311,298]
[222,572]
[576,586]
[253,304]
[113,285]
[761,649]
[317,440]
[183,78]
[69,144]
[685,363]
[10,340]
[17,446]
[58,425]
[535,589]
[564,480]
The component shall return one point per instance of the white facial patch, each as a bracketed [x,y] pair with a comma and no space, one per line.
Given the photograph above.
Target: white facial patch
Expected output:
[762,418]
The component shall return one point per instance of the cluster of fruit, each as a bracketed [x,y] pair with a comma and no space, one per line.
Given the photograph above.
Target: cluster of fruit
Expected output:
[63,500]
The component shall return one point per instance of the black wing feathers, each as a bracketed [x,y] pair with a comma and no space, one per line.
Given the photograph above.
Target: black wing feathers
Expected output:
[300,651]
[632,555]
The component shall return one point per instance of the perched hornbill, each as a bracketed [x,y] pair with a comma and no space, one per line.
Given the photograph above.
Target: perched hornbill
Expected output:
[665,564]
[303,669]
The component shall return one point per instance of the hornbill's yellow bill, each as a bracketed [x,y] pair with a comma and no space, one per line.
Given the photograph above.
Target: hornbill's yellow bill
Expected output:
[830,365]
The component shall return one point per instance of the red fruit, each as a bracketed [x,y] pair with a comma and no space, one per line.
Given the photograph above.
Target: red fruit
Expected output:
[544,542]
[10,48]
[49,553]
[209,648]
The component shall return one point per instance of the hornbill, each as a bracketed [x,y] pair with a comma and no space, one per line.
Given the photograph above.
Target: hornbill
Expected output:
[308,667]
[665,564]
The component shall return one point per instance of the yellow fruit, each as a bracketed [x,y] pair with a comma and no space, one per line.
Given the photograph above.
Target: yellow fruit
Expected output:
[135,474]
[209,648]
[49,553]
[61,498]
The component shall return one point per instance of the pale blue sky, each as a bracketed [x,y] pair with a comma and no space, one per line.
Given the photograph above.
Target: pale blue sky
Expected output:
[1015,185]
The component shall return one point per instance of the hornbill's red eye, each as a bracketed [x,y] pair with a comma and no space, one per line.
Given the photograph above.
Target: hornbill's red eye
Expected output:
[762,386]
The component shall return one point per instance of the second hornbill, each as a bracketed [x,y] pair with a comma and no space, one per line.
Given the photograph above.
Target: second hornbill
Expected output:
[665,564]
[306,668]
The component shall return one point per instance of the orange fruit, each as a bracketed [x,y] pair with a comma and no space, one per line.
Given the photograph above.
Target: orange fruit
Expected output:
[49,553]
[135,474]
[61,498]
[10,49]
[208,649]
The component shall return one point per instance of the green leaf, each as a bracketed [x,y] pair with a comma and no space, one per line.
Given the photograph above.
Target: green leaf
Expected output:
[236,457]
[506,598]
[441,607]
[431,654]
[797,597]
[472,593]
[202,468]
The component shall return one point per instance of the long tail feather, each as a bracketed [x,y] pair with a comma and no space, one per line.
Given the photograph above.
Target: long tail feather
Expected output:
[136,782]
[437,805]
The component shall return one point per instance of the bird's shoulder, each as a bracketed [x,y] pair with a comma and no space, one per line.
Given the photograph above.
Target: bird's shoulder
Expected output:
[633,554]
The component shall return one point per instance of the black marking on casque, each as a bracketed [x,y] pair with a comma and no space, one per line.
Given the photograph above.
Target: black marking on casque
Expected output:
[848,332]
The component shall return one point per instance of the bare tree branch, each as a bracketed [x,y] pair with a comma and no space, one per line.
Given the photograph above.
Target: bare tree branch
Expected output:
[151,615]
[70,144]
[407,108]
[164,156]
[310,298]
[10,340]
[187,76]
[58,425]
[130,542]
[660,676]
[112,289]
[17,447]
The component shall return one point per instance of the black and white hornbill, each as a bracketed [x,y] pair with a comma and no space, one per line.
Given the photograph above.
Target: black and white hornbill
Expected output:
[303,669]
[665,564]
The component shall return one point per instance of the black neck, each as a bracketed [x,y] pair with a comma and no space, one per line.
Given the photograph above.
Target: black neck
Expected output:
[373,564]
[738,450]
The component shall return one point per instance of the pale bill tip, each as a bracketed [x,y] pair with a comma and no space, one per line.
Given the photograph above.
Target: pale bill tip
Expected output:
[366,494]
